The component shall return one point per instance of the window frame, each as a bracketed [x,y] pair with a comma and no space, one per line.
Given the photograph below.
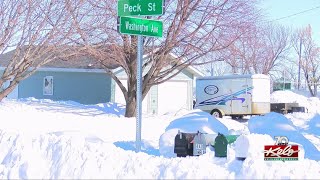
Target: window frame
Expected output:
[48,91]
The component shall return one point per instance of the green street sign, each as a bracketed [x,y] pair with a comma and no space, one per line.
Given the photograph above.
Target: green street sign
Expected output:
[140,7]
[137,26]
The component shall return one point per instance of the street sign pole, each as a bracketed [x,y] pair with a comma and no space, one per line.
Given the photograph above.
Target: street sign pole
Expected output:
[139,92]
[140,27]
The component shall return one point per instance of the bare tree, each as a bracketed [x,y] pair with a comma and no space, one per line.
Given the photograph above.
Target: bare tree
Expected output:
[297,39]
[36,30]
[278,46]
[192,29]
[289,72]
[245,51]
[309,54]
[259,50]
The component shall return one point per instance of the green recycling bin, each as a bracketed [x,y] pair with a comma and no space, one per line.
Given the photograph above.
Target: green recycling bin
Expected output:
[221,142]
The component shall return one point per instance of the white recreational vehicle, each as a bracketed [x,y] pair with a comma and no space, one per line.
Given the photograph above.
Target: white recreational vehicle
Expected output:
[234,95]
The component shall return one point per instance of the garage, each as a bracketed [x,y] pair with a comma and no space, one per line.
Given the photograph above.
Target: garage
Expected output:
[173,96]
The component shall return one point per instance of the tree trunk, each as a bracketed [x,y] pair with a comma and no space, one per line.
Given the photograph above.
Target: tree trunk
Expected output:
[131,106]
[315,88]
[7,91]
[310,89]
[2,96]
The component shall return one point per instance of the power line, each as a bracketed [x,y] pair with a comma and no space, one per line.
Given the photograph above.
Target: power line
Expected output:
[301,12]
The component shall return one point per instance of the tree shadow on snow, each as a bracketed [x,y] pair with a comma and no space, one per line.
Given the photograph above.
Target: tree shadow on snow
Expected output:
[77,108]
[275,124]
[145,147]
[313,126]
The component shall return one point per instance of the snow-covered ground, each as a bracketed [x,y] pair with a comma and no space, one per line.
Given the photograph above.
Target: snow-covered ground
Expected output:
[44,139]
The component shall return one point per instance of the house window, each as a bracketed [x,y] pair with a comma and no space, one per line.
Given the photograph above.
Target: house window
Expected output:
[48,85]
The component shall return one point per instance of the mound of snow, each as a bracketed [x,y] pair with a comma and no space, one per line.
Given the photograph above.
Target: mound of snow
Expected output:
[314,125]
[198,121]
[113,109]
[310,103]
[287,96]
[255,167]
[190,123]
[251,146]
[260,169]
[166,143]
[275,124]
[271,122]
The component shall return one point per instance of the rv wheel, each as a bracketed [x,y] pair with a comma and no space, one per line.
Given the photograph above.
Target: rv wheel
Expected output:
[216,113]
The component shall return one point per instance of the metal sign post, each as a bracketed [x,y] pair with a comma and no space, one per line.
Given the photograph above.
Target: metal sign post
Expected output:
[140,27]
[139,92]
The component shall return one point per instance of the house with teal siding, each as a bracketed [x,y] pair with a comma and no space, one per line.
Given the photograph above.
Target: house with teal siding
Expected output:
[85,81]
[81,80]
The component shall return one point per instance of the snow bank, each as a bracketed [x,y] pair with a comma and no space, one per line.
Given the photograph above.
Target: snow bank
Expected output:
[287,96]
[314,125]
[107,108]
[235,127]
[252,145]
[198,121]
[279,170]
[275,124]
[190,123]
[44,139]
[79,156]
[166,143]
[311,104]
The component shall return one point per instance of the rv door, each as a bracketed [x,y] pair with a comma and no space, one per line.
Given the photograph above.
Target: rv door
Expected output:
[241,97]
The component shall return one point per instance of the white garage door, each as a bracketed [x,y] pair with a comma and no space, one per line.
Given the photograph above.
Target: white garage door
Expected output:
[172,96]
[119,98]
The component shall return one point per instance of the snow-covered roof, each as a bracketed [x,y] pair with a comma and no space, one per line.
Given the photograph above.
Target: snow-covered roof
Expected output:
[190,68]
[236,76]
[75,62]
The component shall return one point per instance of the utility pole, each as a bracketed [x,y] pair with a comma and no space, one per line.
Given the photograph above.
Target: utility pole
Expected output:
[284,80]
[299,71]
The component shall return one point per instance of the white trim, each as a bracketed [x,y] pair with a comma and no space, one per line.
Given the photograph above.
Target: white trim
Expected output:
[251,76]
[72,70]
[117,70]
[195,71]
[67,70]
[191,69]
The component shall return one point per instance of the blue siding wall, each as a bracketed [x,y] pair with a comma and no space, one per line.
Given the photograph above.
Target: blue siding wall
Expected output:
[82,87]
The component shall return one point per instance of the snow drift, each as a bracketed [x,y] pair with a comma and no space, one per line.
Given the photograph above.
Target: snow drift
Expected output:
[275,124]
[44,139]
[190,123]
